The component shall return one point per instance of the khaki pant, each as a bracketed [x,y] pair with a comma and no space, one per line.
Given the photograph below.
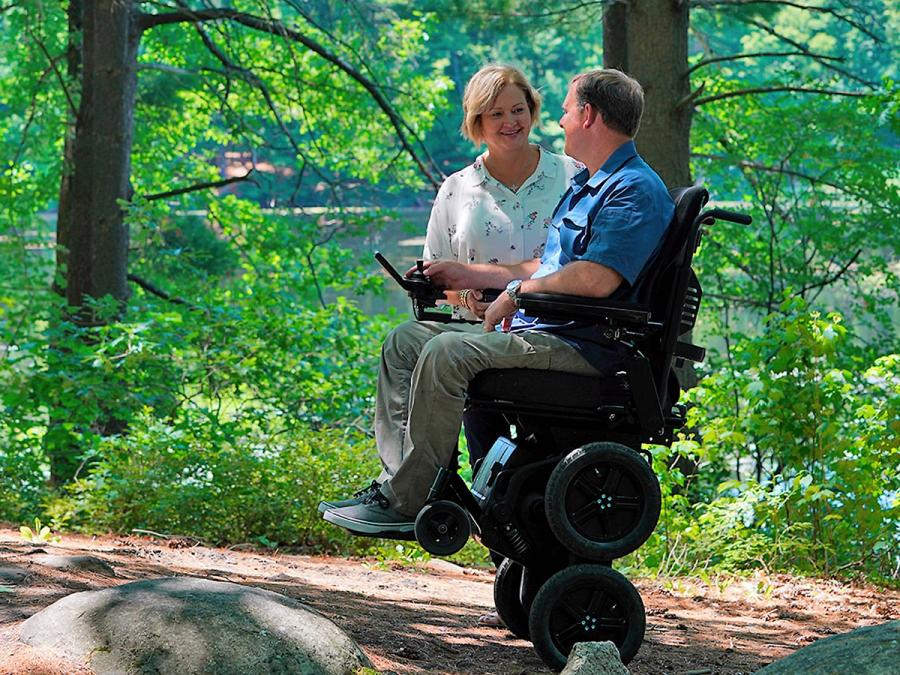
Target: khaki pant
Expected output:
[425,370]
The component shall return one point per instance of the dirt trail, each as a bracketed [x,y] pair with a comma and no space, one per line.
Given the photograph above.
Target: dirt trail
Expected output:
[424,620]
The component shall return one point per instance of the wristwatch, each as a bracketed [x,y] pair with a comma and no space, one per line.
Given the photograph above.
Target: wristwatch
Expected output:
[512,290]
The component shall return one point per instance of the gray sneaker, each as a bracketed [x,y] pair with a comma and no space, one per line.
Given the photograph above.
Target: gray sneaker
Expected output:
[374,517]
[357,498]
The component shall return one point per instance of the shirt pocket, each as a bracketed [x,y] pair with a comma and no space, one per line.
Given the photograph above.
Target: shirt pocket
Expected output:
[575,233]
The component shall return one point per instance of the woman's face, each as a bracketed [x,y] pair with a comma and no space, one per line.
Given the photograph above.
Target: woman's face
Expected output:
[507,122]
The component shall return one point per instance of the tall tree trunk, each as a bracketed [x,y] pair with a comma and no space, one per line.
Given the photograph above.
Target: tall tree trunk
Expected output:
[64,212]
[92,238]
[648,39]
[615,36]
[97,236]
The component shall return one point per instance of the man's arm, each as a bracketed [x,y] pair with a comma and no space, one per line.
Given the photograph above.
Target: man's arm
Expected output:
[580,277]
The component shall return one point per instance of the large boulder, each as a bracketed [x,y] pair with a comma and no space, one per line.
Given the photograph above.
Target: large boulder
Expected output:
[191,626]
[874,650]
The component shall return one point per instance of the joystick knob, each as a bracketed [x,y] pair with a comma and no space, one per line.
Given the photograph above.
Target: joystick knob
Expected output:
[420,266]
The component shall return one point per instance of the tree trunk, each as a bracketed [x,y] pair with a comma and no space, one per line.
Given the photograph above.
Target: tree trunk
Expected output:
[96,234]
[615,37]
[92,239]
[64,212]
[648,39]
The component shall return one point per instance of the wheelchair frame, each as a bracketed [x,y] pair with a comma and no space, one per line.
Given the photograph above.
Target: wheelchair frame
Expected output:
[558,442]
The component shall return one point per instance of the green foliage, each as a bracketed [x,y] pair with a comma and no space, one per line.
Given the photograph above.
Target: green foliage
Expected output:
[40,533]
[229,413]
[813,438]
[225,482]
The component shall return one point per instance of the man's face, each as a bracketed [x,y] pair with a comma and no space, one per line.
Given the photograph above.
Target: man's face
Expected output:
[572,123]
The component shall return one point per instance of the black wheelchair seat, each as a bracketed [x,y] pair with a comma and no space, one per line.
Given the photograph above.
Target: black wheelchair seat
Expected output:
[554,388]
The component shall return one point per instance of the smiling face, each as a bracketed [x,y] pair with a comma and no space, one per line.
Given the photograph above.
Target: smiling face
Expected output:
[507,121]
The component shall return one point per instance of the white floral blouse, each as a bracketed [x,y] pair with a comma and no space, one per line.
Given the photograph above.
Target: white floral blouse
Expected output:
[477,219]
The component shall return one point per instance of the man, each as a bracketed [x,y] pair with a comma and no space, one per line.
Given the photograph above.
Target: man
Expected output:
[605,229]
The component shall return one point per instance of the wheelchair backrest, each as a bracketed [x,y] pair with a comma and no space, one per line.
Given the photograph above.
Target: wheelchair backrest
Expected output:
[668,286]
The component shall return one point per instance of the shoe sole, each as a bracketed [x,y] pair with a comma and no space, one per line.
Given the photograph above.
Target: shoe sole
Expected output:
[372,529]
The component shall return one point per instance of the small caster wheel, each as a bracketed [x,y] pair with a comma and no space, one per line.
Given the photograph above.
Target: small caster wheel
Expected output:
[602,501]
[508,598]
[586,603]
[442,527]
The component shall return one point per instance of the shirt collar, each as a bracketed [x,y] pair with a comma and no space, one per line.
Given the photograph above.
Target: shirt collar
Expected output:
[545,168]
[621,155]
[478,175]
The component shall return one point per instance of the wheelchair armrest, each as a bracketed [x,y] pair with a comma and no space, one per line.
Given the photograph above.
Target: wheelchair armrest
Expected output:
[578,308]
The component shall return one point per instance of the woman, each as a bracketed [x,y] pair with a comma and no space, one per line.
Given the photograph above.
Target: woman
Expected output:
[498,209]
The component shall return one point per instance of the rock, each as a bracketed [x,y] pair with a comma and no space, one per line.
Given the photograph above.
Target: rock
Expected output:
[443,566]
[193,626]
[874,650]
[12,574]
[595,658]
[82,563]
[281,576]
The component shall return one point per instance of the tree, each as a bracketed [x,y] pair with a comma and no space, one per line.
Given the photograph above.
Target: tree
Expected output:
[661,64]
[92,224]
[105,46]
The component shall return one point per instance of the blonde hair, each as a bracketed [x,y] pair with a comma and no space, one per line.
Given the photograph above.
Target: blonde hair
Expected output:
[483,88]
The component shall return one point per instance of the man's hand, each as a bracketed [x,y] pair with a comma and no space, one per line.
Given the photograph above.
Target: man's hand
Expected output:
[500,310]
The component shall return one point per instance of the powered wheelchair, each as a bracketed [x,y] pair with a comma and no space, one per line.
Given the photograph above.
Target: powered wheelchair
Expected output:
[575,489]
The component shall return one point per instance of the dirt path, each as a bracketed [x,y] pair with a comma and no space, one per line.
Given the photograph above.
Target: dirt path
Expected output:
[423,620]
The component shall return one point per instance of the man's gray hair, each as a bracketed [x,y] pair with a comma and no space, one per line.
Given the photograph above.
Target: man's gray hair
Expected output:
[617,97]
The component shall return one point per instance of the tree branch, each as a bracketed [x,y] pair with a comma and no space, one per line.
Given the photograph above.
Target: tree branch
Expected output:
[555,12]
[150,288]
[736,300]
[691,98]
[52,62]
[767,90]
[254,80]
[146,21]
[837,275]
[199,186]
[770,169]
[796,45]
[755,55]
[787,3]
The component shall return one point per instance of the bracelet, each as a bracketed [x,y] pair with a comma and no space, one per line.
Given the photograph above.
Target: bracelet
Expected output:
[463,297]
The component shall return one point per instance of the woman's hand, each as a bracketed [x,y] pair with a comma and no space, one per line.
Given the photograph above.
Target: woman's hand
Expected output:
[469,299]
[499,311]
[448,274]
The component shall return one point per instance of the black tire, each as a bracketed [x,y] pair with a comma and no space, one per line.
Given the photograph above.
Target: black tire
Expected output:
[442,527]
[586,603]
[508,599]
[602,501]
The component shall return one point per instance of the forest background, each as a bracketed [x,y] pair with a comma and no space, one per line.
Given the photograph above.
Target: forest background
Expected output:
[189,192]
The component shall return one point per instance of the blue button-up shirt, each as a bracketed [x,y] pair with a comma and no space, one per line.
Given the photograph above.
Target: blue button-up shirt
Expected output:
[617,218]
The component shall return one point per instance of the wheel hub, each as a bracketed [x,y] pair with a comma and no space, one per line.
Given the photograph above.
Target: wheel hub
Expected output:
[604,501]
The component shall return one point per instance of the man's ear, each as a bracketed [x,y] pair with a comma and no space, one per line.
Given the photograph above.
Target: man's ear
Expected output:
[591,115]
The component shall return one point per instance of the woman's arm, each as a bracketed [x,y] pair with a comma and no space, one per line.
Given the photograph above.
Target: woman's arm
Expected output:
[455,276]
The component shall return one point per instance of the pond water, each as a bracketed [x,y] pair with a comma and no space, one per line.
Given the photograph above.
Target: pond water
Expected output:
[401,242]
